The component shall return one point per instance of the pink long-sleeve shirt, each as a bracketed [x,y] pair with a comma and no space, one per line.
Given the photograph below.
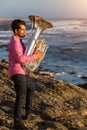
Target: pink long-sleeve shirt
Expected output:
[17,57]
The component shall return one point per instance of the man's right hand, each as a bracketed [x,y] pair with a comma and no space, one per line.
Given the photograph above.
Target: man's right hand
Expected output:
[39,55]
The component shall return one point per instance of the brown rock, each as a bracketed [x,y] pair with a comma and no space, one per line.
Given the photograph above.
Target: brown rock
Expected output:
[57,104]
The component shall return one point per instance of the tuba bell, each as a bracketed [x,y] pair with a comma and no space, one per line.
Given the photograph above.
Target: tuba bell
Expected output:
[38,26]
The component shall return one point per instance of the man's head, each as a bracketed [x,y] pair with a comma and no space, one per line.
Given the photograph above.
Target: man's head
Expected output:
[19,27]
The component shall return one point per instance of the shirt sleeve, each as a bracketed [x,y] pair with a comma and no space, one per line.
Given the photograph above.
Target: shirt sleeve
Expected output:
[18,54]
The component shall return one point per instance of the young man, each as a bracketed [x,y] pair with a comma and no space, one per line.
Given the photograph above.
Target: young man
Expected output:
[24,86]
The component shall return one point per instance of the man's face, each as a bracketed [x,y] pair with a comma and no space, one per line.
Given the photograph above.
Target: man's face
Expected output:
[21,31]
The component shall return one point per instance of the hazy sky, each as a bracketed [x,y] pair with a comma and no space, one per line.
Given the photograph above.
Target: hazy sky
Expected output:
[44,8]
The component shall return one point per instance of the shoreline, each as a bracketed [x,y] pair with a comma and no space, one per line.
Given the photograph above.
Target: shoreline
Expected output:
[47,72]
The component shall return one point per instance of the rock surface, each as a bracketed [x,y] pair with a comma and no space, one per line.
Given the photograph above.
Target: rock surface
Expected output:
[56,104]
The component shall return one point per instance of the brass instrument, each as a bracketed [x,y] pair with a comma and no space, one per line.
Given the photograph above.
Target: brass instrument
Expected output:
[38,26]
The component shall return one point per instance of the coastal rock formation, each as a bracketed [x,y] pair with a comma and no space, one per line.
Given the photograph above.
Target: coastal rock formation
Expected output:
[57,105]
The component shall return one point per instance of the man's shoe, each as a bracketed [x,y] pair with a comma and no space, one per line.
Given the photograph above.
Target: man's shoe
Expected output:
[20,126]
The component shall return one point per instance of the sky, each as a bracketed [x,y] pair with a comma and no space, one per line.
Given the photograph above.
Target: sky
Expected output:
[44,8]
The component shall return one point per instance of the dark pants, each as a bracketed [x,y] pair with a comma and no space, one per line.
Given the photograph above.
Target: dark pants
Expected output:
[24,88]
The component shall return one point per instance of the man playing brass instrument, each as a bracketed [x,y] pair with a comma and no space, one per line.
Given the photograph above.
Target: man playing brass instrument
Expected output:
[24,86]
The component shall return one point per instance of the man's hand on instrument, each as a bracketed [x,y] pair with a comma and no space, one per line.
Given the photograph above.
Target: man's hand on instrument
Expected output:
[39,55]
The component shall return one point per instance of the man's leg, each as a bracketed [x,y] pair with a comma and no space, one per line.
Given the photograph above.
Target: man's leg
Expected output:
[30,94]
[20,88]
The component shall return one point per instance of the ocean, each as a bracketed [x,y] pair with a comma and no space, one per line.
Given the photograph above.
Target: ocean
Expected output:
[66,57]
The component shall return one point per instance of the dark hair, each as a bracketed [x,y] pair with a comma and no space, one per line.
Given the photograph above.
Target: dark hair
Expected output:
[16,24]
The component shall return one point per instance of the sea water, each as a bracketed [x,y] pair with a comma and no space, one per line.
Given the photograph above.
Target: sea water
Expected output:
[66,57]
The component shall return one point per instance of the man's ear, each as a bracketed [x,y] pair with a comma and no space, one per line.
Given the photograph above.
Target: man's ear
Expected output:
[15,31]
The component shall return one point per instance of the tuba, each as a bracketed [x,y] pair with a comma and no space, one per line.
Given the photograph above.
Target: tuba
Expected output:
[38,26]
